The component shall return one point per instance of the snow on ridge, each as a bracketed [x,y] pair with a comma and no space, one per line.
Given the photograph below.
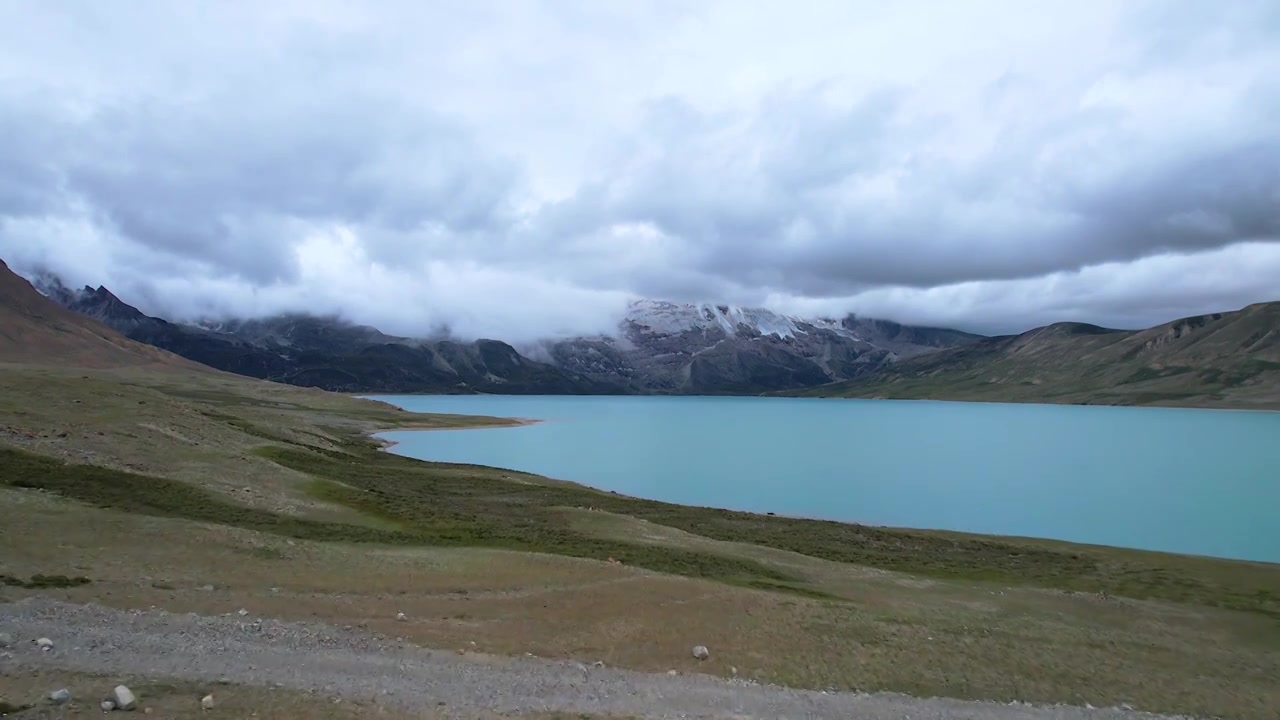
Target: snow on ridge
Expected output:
[667,318]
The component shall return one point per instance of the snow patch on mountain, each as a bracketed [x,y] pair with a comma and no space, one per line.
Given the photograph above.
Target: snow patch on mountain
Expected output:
[660,317]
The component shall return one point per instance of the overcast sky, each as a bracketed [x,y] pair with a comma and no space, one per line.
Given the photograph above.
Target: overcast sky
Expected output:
[515,168]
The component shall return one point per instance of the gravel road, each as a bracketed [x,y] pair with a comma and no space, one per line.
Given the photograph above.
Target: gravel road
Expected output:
[358,666]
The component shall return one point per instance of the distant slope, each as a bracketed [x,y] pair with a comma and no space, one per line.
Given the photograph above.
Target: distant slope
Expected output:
[33,329]
[1229,359]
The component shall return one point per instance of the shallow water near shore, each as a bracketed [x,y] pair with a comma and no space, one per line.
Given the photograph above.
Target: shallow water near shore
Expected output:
[1204,482]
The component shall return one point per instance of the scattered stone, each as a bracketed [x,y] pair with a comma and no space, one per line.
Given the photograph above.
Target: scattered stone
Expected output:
[207,588]
[107,705]
[599,663]
[401,617]
[672,673]
[242,612]
[124,698]
[206,702]
[58,697]
[700,652]
[6,640]
[224,681]
[44,644]
[733,671]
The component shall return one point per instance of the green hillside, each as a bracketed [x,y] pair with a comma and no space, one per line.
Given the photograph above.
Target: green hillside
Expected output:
[1227,359]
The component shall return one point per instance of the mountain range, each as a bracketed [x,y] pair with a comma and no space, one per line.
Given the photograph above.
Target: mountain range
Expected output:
[660,347]
[1228,359]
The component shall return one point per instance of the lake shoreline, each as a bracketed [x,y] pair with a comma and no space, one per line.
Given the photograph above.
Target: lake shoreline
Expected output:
[937,466]
[387,444]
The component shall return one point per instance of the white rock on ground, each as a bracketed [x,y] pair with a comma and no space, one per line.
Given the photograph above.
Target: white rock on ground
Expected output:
[107,705]
[243,612]
[700,652]
[401,617]
[44,644]
[58,697]
[206,702]
[124,698]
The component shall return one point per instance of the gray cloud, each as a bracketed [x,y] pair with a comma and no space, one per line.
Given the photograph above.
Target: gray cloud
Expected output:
[522,168]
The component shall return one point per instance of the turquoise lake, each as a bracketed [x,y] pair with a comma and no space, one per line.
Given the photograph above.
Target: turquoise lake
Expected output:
[1205,482]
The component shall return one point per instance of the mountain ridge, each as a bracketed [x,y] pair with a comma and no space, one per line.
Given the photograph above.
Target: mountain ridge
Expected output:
[1222,359]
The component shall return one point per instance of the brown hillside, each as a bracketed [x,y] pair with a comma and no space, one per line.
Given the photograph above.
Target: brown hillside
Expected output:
[34,329]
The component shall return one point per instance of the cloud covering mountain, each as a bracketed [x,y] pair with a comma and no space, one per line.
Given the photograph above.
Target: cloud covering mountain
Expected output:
[522,169]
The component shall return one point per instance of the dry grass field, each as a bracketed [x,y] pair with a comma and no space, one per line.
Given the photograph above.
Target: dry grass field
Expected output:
[209,493]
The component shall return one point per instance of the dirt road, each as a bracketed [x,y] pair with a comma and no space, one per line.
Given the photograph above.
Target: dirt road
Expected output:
[357,666]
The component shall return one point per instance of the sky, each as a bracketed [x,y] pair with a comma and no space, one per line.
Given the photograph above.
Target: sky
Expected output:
[523,168]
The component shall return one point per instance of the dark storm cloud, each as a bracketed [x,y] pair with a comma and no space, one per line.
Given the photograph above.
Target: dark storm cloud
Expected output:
[232,180]
[823,200]
[522,168]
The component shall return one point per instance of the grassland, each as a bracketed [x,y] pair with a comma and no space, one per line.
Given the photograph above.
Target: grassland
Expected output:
[155,486]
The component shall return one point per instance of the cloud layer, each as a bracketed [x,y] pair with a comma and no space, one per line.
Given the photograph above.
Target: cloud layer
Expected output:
[522,168]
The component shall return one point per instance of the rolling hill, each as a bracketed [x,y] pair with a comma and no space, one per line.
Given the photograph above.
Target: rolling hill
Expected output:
[1229,359]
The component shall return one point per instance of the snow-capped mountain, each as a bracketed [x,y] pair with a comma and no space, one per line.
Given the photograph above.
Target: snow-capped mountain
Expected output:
[660,317]
[663,346]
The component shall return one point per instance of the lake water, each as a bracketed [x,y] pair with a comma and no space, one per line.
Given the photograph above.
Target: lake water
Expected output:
[1194,481]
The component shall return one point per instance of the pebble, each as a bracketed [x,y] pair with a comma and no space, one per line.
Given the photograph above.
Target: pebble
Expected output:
[242,612]
[672,673]
[44,644]
[124,698]
[206,702]
[107,705]
[401,617]
[58,697]
[700,652]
